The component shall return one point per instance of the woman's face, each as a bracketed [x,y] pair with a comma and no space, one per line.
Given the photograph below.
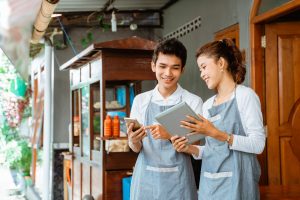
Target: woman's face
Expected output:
[211,71]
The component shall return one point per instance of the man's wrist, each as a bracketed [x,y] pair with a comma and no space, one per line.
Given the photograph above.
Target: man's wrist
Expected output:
[134,143]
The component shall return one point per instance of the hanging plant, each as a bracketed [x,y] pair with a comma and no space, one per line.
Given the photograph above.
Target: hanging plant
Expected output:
[13,108]
[88,39]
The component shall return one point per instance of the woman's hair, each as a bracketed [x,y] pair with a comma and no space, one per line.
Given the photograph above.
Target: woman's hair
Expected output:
[228,50]
[171,47]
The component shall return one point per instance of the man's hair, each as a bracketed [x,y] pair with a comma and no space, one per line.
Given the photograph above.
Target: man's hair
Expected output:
[171,47]
[88,197]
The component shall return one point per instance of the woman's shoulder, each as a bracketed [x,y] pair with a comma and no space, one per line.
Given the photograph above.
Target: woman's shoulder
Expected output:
[247,99]
[243,92]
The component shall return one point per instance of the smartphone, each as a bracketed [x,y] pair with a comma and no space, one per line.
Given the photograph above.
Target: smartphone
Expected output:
[136,126]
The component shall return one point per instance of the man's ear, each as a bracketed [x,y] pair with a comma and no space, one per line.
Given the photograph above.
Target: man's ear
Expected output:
[153,66]
[182,69]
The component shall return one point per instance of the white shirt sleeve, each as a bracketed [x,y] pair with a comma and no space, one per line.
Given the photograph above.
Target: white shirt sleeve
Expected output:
[198,108]
[251,116]
[136,109]
[201,149]
[194,101]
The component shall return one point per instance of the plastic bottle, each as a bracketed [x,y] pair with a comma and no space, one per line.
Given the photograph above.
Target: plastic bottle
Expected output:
[116,126]
[107,126]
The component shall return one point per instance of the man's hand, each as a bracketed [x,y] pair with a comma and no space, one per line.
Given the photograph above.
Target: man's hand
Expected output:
[158,132]
[135,136]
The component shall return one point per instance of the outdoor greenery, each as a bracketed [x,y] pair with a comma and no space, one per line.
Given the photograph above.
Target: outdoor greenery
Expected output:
[14,106]
[19,155]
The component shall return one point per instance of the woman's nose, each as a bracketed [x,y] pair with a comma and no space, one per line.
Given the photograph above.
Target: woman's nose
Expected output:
[202,74]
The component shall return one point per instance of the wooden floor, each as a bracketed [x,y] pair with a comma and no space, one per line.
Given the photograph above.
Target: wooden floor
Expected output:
[280,192]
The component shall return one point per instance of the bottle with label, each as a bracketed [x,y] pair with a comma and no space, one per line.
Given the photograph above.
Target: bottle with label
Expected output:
[116,126]
[107,126]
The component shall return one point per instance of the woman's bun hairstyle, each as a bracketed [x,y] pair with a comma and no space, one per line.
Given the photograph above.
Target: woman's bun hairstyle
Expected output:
[229,51]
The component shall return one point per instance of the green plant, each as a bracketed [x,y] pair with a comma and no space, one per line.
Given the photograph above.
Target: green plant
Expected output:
[7,133]
[19,155]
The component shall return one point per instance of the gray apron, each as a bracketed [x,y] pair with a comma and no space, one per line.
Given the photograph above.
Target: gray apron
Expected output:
[160,172]
[228,174]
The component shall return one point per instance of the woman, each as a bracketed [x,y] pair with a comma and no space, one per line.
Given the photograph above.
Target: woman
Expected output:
[160,172]
[233,126]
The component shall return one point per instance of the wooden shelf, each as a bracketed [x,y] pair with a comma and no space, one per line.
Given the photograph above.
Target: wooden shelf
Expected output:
[99,71]
[111,138]
[116,109]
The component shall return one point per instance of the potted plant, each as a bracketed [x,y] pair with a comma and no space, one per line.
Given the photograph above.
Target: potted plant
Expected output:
[19,155]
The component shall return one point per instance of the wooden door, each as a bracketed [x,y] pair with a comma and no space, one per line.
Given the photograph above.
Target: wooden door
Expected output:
[232,32]
[283,102]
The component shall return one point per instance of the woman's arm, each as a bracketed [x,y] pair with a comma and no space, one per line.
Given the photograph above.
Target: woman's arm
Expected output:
[252,120]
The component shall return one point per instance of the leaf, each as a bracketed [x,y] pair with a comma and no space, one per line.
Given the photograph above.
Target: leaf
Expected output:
[90,37]
[84,42]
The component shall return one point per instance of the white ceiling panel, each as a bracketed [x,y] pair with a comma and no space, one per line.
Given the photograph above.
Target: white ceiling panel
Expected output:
[97,5]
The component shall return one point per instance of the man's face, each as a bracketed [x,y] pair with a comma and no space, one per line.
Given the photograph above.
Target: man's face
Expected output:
[168,69]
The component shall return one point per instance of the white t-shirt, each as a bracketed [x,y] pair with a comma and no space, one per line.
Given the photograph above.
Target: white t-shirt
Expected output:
[252,121]
[141,101]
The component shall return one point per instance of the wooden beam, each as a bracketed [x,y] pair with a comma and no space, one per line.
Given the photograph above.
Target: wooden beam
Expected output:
[276,12]
[255,8]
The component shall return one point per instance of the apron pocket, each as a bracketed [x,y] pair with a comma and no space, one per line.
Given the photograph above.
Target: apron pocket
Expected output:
[166,182]
[216,185]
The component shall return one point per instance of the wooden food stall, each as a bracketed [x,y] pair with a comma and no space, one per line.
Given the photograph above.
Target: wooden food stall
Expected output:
[104,78]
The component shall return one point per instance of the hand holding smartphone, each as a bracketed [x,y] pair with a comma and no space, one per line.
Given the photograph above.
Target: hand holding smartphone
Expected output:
[136,125]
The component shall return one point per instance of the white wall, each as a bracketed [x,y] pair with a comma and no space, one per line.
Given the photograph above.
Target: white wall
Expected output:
[216,15]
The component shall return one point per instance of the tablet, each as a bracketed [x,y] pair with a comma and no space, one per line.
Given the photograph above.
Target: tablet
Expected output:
[170,120]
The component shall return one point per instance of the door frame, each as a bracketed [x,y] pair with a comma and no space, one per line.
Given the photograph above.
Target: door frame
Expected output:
[257,25]
[257,28]
[232,32]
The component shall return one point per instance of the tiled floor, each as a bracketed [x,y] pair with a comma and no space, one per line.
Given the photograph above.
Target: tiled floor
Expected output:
[9,190]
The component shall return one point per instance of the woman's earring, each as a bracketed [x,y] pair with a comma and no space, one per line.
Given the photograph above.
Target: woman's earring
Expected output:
[222,70]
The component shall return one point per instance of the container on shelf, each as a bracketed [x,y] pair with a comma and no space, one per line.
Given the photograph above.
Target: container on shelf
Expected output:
[107,126]
[116,126]
[121,115]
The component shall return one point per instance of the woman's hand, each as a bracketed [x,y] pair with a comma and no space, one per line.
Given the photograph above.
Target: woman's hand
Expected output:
[158,132]
[202,126]
[135,136]
[180,144]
